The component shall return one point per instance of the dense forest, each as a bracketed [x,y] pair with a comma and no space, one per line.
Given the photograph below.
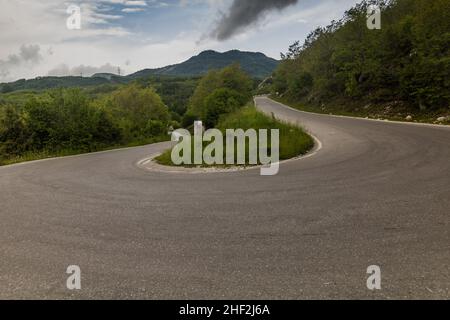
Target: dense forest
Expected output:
[400,70]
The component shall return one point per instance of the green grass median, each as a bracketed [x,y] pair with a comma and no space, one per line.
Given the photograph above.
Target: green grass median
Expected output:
[293,142]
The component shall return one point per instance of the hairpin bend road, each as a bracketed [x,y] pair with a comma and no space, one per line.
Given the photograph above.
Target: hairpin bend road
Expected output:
[377,193]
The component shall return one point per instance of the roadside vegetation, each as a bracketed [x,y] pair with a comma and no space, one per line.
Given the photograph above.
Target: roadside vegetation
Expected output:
[67,121]
[222,100]
[400,72]
[294,141]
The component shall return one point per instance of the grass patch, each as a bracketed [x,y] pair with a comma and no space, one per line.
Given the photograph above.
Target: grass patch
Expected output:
[46,154]
[294,141]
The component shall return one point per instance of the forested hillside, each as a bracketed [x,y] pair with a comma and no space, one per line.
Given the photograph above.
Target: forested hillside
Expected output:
[403,69]
[255,64]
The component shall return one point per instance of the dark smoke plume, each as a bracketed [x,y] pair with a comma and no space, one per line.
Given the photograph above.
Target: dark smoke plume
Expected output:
[244,13]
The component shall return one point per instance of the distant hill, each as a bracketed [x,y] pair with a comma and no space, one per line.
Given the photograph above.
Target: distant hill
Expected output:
[255,64]
[107,76]
[43,83]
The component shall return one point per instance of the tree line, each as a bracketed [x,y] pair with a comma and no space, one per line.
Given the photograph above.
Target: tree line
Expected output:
[407,60]
[69,121]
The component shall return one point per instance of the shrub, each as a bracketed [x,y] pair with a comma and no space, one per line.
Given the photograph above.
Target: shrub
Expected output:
[220,102]
[13,133]
[155,128]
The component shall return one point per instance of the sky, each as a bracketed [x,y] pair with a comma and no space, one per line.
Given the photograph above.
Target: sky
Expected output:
[136,34]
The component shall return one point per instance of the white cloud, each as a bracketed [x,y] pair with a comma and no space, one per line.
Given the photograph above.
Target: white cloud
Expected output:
[130,10]
[136,3]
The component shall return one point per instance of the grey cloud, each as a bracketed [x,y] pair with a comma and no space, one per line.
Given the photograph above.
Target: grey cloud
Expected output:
[29,55]
[244,13]
[64,70]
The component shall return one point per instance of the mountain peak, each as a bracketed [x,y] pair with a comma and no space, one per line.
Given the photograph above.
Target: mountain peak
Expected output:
[230,52]
[208,52]
[256,64]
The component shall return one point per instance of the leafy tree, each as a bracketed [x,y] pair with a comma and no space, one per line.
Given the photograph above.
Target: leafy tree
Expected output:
[221,101]
[293,52]
[156,128]
[232,78]
[13,133]
[300,83]
[135,106]
[211,81]
[6,88]
[188,120]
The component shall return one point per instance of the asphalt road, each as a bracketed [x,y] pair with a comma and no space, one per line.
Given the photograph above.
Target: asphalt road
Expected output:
[377,193]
